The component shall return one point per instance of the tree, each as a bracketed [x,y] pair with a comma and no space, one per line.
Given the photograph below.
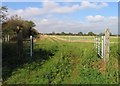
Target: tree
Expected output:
[84,34]
[80,34]
[91,34]
[101,34]
[10,27]
[111,34]
[3,14]
[70,33]
[53,33]
[62,33]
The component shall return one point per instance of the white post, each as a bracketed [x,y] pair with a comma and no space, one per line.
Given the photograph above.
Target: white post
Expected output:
[5,38]
[104,44]
[99,46]
[102,47]
[96,44]
[8,37]
[31,46]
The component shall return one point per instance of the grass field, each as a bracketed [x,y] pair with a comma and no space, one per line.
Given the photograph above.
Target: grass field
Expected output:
[60,60]
[113,39]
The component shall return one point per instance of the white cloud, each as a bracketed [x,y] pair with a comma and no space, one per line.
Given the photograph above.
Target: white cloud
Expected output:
[101,19]
[97,18]
[66,9]
[86,4]
[54,7]
[113,18]
[95,23]
[56,25]
[28,12]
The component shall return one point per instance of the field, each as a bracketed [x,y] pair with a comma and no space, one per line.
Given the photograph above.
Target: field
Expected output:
[61,60]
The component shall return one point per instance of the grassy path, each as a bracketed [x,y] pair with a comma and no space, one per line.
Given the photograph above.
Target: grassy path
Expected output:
[62,62]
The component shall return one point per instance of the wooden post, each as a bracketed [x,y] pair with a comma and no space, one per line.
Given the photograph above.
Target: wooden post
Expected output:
[20,43]
[107,45]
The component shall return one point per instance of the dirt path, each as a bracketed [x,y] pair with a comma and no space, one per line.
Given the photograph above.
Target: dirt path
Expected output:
[53,38]
[102,66]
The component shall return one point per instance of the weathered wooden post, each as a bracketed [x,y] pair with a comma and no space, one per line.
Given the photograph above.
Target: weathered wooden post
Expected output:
[20,43]
[107,45]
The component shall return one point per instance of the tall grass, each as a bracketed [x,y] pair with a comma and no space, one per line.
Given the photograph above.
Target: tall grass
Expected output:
[58,62]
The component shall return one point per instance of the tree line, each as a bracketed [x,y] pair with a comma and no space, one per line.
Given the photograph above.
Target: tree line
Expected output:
[77,34]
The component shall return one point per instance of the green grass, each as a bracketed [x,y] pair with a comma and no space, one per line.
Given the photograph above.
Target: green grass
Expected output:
[58,62]
[113,39]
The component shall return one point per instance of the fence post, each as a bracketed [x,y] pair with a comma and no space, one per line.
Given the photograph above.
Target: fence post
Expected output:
[99,46]
[96,44]
[31,46]
[102,47]
[107,44]
[20,43]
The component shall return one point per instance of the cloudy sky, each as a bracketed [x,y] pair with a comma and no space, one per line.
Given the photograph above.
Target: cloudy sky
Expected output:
[51,16]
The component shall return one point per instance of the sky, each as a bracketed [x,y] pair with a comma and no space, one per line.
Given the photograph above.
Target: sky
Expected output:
[84,16]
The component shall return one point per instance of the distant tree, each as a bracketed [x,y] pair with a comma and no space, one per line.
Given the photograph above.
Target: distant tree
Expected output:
[53,33]
[80,34]
[62,33]
[70,33]
[57,33]
[101,34]
[85,34]
[111,34]
[91,34]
